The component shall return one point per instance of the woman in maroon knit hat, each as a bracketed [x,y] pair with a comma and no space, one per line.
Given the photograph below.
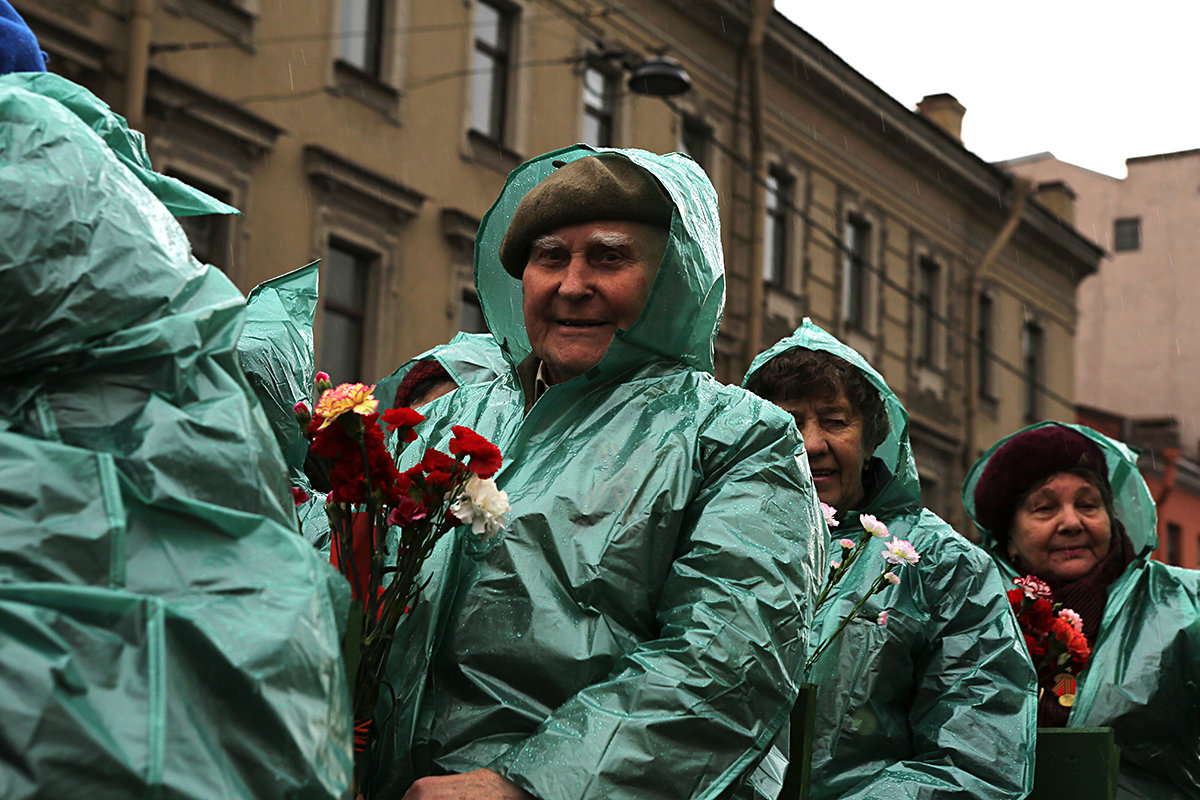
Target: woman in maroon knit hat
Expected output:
[1067,505]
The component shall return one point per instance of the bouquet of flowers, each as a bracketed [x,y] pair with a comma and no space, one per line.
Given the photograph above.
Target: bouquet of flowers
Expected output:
[368,496]
[896,553]
[1054,636]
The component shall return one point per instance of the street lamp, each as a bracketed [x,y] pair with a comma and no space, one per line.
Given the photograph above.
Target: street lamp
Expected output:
[660,77]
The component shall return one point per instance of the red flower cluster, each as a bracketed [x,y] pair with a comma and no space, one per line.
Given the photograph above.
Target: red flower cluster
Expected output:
[358,456]
[484,456]
[1054,642]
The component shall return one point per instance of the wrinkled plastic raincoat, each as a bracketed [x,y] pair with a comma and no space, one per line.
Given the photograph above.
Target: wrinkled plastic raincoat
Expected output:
[1143,679]
[165,631]
[938,702]
[276,353]
[467,358]
[638,629]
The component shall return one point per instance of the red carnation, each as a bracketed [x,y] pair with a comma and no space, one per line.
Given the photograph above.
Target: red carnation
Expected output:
[407,512]
[1078,648]
[1041,612]
[1015,597]
[1063,630]
[299,496]
[485,456]
[403,419]
[437,461]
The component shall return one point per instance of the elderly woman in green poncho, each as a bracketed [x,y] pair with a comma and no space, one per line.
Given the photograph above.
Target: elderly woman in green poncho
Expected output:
[936,701]
[1067,504]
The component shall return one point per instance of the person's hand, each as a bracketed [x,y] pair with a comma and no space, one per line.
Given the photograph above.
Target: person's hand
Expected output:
[480,784]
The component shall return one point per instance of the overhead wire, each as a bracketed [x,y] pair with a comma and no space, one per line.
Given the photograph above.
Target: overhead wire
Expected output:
[839,245]
[576,18]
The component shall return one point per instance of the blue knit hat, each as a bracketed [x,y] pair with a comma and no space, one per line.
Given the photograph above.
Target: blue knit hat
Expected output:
[19,51]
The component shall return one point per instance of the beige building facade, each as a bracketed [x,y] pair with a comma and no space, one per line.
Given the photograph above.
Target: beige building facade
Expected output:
[1138,348]
[1137,353]
[373,134]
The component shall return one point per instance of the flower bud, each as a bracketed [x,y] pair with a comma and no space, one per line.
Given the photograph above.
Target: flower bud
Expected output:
[324,383]
[891,578]
[303,415]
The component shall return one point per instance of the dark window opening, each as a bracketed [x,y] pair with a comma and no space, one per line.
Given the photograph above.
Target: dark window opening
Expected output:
[489,78]
[599,104]
[1031,352]
[1174,540]
[928,278]
[362,35]
[854,270]
[209,234]
[695,139]
[470,314]
[344,282]
[1127,234]
[775,235]
[985,336]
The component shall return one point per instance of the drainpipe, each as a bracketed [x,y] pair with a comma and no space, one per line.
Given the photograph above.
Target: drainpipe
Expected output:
[1021,190]
[760,13]
[141,24]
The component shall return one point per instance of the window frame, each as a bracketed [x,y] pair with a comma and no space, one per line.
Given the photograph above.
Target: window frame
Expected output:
[605,113]
[701,133]
[500,61]
[1122,243]
[777,228]
[1033,354]
[374,37]
[369,261]
[985,343]
[928,307]
[855,266]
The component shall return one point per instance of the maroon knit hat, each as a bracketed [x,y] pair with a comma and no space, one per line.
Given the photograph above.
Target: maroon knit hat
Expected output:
[1024,461]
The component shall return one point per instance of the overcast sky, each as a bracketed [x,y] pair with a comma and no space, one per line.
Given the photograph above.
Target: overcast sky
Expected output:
[1093,83]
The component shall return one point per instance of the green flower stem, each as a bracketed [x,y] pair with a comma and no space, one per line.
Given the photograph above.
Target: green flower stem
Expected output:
[836,574]
[878,586]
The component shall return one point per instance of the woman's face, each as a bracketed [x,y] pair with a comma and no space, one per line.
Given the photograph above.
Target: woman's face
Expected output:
[1061,530]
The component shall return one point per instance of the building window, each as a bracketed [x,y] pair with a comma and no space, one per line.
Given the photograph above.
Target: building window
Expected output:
[1174,540]
[929,276]
[855,262]
[1127,234]
[344,282]
[775,233]
[599,104]
[209,234]
[470,314]
[1031,353]
[489,80]
[984,341]
[362,35]
[695,139]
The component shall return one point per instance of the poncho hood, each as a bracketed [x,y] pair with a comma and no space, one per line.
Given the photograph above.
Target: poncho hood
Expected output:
[901,493]
[683,310]
[468,358]
[1132,503]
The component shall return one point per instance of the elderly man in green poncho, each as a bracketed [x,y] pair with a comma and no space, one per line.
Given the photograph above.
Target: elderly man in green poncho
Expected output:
[637,629]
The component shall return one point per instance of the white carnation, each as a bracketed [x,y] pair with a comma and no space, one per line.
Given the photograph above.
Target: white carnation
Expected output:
[482,506]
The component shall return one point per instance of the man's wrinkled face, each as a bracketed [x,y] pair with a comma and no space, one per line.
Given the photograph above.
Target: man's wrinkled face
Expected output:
[583,282]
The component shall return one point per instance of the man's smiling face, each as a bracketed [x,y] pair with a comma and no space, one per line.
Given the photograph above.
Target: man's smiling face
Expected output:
[582,282]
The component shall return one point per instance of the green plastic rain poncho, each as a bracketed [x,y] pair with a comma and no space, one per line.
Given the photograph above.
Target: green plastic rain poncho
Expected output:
[938,702]
[637,630]
[467,358]
[1143,679]
[165,631]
